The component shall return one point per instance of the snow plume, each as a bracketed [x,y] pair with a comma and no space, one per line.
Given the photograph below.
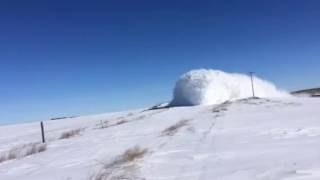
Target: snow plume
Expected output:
[206,86]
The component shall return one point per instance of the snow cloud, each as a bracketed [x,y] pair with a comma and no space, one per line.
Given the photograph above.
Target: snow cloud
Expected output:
[207,86]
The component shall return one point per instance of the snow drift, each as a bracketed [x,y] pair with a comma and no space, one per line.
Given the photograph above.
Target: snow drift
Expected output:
[207,86]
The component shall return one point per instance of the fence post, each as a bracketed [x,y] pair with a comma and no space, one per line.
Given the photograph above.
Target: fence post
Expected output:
[42,132]
[101,124]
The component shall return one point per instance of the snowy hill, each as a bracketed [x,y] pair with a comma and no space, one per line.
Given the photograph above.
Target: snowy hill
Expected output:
[248,139]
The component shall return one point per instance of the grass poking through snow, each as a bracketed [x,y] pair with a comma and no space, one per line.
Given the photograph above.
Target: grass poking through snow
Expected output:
[172,130]
[71,133]
[22,151]
[123,167]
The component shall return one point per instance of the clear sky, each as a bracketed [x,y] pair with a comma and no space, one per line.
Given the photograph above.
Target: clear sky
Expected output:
[64,58]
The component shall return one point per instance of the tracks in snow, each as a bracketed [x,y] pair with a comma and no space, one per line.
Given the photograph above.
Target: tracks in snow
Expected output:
[205,140]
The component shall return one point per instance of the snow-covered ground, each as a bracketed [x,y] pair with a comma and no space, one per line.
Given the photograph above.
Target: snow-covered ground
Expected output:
[264,139]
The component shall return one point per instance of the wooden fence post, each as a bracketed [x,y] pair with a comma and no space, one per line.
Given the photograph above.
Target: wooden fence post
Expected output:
[42,132]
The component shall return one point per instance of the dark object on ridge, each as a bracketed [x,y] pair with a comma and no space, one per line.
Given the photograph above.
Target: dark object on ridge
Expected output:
[59,118]
[314,92]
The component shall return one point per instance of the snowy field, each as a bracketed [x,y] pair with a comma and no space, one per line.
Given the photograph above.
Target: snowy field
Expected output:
[263,139]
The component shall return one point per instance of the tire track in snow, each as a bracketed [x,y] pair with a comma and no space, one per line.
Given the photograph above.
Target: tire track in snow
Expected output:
[218,112]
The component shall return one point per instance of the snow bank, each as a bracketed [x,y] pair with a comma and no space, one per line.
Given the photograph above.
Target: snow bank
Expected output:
[206,86]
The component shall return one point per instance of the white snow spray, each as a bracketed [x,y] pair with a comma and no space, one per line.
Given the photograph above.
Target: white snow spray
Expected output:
[207,86]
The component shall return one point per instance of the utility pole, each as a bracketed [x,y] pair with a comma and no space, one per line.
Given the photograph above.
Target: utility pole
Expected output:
[252,87]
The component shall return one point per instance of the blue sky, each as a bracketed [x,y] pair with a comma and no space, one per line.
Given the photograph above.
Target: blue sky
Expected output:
[63,58]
